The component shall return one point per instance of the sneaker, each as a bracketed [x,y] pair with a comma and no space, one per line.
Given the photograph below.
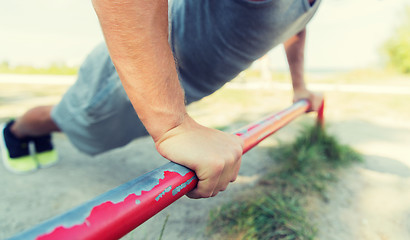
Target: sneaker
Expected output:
[46,155]
[16,152]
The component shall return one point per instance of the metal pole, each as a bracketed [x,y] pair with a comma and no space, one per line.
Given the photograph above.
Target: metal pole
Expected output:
[320,114]
[117,212]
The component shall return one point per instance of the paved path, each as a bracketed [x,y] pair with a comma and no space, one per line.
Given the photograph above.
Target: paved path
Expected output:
[370,202]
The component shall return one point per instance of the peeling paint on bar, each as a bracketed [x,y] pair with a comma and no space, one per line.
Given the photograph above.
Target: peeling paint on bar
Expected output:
[109,208]
[80,216]
[182,186]
[163,193]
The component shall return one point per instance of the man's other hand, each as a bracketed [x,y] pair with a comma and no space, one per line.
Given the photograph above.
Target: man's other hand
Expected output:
[314,98]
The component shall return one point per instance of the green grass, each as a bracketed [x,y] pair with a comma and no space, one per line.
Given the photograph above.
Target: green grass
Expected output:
[275,208]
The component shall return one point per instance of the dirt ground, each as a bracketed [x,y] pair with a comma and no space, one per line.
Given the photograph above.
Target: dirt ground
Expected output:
[371,200]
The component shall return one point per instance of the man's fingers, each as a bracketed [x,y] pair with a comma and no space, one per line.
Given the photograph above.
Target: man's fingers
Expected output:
[193,194]
[210,187]
[207,185]
[315,99]
[237,167]
[204,189]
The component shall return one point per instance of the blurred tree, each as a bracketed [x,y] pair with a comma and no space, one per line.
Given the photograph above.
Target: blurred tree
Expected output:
[4,65]
[398,46]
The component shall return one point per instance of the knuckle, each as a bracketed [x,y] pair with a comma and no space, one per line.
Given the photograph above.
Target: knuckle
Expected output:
[236,158]
[218,166]
[238,151]
[230,161]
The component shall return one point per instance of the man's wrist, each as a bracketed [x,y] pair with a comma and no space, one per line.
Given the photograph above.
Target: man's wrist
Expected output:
[298,83]
[300,88]
[186,124]
[163,122]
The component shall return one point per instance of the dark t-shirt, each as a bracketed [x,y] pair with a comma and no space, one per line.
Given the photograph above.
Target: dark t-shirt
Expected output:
[214,40]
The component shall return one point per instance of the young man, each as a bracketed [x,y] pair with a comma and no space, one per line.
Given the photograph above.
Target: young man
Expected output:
[151,65]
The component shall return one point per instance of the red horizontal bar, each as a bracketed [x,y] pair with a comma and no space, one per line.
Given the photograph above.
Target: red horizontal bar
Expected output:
[256,132]
[117,212]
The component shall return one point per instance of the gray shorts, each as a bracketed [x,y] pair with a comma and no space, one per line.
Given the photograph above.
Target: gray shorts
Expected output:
[212,41]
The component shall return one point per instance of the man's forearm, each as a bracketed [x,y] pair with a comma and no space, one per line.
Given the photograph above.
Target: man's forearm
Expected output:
[295,47]
[136,33]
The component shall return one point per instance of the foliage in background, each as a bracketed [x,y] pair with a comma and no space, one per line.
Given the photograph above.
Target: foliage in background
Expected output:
[53,69]
[274,209]
[398,46]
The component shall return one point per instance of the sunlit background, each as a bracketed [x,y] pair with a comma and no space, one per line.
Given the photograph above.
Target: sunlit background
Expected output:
[345,34]
[366,108]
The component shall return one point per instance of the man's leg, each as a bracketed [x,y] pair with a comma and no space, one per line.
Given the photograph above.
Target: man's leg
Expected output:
[34,123]
[95,113]
[26,142]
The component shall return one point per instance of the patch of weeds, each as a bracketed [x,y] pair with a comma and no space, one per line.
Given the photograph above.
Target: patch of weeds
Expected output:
[262,215]
[310,162]
[275,208]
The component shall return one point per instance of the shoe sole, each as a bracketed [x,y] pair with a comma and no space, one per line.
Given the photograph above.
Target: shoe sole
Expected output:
[4,154]
[45,156]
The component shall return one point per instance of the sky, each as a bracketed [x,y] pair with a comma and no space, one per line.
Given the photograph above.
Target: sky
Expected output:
[344,34]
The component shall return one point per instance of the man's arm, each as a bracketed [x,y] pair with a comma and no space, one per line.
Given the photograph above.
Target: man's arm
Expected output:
[136,33]
[136,36]
[295,49]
